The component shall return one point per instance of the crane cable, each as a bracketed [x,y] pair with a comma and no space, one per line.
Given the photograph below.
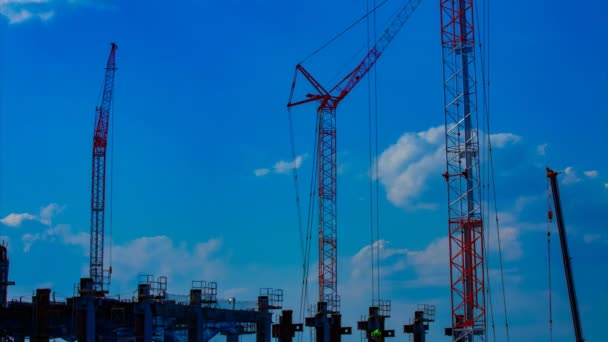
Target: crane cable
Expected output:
[487,174]
[296,183]
[111,194]
[486,106]
[373,162]
[376,163]
[305,240]
[113,114]
[369,144]
[311,206]
[549,220]
[343,32]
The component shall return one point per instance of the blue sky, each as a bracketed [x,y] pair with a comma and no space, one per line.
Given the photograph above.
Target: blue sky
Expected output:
[199,106]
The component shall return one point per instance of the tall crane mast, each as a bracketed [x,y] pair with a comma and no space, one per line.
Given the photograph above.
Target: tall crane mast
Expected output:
[327,163]
[465,223]
[576,320]
[98,188]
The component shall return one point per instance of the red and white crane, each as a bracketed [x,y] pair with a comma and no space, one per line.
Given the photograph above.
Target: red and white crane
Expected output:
[327,160]
[100,276]
[465,222]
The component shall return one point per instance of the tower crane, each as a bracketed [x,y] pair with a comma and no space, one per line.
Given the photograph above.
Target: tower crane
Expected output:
[465,222]
[576,320]
[328,101]
[100,276]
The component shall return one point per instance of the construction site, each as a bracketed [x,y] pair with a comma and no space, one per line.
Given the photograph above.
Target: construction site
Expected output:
[154,313]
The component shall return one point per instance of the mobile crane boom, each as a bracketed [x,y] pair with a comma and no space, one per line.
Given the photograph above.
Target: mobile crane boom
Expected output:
[576,320]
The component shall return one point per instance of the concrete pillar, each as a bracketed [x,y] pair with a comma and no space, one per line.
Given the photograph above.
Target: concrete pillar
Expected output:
[41,304]
[195,328]
[264,325]
[285,331]
[323,328]
[85,312]
[419,328]
[143,322]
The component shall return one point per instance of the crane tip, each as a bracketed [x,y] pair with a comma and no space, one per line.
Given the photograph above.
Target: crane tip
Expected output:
[551,173]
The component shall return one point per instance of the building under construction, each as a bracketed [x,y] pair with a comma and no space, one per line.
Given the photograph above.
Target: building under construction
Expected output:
[153,314]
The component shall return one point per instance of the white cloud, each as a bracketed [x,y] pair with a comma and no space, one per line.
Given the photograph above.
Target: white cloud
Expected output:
[392,259]
[434,135]
[281,167]
[428,264]
[606,185]
[406,167]
[47,213]
[510,244]
[431,264]
[500,140]
[542,149]
[591,173]
[261,172]
[286,166]
[62,233]
[18,11]
[45,216]
[15,220]
[28,239]
[159,255]
[570,176]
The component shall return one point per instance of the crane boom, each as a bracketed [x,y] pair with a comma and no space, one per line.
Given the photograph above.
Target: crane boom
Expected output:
[98,188]
[350,81]
[576,320]
[339,91]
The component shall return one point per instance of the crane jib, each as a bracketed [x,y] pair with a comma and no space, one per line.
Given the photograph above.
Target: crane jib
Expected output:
[346,84]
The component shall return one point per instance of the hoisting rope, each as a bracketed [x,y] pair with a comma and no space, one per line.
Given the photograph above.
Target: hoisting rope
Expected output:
[376,162]
[369,145]
[502,277]
[484,34]
[485,184]
[373,161]
[296,184]
[311,207]
[111,193]
[343,32]
[549,220]
[485,57]
[305,240]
